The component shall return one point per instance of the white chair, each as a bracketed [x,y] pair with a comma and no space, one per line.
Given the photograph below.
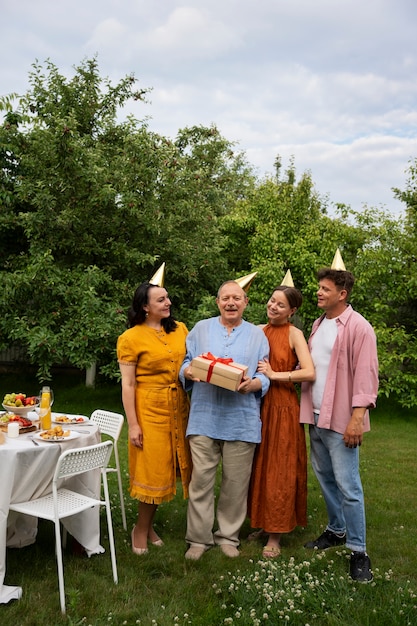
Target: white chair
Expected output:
[63,502]
[111,424]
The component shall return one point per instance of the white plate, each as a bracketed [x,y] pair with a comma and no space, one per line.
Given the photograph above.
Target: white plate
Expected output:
[76,420]
[72,435]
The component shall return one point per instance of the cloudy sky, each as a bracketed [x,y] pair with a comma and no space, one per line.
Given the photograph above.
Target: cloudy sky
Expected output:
[329,83]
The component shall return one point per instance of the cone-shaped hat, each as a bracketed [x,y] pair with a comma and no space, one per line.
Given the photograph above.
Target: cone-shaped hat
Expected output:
[288,281]
[159,276]
[338,262]
[246,281]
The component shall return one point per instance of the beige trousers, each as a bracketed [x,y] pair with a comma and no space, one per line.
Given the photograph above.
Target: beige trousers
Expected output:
[236,458]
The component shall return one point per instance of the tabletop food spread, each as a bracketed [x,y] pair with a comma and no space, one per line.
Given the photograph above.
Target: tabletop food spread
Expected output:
[25,425]
[55,433]
[72,419]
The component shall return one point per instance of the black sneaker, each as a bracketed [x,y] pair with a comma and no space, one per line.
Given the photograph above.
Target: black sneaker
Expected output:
[328,539]
[360,567]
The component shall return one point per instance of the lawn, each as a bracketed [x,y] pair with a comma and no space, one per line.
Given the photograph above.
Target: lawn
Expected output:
[162,588]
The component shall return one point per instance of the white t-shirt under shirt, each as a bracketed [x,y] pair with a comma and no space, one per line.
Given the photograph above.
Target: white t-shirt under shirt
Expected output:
[321,350]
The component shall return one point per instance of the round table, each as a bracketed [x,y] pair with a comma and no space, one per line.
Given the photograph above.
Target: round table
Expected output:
[27,466]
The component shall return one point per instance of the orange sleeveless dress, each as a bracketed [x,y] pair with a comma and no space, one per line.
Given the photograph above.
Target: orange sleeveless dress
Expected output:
[278,490]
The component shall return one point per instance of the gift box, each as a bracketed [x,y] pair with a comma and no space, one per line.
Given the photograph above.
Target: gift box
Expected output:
[217,371]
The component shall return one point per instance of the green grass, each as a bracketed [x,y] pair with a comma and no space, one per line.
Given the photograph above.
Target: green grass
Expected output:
[163,588]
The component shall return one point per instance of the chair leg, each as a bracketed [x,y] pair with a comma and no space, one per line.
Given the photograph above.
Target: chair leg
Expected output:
[119,481]
[60,565]
[110,529]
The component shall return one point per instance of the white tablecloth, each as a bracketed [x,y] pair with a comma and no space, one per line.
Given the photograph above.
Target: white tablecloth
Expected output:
[26,472]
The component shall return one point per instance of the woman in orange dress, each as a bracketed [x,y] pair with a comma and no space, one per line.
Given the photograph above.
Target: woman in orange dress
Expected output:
[150,354]
[278,489]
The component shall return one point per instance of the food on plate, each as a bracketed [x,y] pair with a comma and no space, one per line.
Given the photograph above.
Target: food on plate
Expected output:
[24,424]
[54,433]
[19,400]
[64,419]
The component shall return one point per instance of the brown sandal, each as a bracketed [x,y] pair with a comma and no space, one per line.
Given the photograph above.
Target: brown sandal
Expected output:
[271,552]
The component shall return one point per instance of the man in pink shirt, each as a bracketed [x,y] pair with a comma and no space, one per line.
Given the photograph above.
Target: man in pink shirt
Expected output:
[336,407]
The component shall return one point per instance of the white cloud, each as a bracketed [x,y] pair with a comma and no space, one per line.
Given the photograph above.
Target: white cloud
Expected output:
[190,32]
[108,33]
[333,84]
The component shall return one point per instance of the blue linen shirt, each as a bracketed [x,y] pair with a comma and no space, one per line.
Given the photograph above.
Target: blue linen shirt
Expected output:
[216,412]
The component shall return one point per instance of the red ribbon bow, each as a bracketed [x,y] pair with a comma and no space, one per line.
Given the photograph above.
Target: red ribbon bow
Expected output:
[210,357]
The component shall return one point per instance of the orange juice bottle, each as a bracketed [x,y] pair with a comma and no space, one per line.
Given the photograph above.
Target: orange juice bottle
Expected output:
[45,413]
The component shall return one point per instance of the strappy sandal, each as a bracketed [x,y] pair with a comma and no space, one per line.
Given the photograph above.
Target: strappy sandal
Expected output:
[271,552]
[159,543]
[135,550]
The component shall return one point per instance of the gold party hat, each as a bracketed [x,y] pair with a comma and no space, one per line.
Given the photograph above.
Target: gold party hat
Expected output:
[159,276]
[288,281]
[246,281]
[338,262]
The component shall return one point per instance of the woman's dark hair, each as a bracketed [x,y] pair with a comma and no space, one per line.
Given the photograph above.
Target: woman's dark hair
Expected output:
[294,297]
[137,314]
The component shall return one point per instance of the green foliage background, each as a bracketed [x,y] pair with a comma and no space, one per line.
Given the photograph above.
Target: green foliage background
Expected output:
[90,206]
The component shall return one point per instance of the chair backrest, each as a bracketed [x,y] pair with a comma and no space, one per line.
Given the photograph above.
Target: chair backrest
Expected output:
[81,460]
[108,422]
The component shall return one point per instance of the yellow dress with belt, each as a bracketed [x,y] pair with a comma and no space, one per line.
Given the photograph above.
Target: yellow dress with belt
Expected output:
[162,408]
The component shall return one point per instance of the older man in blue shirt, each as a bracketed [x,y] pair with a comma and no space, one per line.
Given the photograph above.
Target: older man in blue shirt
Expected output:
[223,425]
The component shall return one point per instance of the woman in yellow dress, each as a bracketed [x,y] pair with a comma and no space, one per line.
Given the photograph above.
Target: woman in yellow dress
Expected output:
[150,354]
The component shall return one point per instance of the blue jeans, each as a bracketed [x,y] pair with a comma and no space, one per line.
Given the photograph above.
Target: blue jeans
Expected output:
[337,470]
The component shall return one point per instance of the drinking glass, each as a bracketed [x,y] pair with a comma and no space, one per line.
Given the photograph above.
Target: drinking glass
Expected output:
[44,411]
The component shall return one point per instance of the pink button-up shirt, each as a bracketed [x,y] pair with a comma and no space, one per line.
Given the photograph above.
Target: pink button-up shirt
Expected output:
[352,379]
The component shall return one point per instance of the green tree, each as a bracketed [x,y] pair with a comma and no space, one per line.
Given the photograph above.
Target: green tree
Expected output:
[284,224]
[91,206]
